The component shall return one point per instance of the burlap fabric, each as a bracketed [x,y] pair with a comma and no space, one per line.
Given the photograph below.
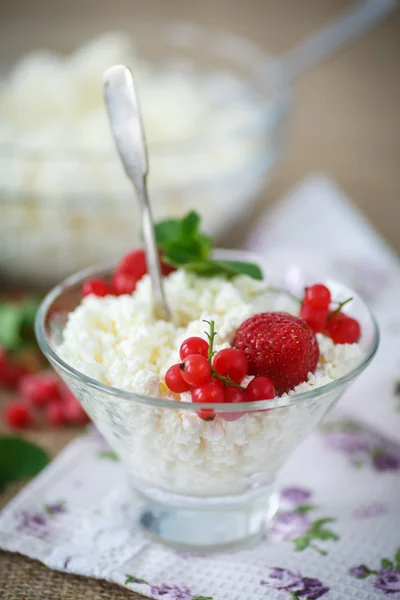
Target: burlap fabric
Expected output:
[25,579]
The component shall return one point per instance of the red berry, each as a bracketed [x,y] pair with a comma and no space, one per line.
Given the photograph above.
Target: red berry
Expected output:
[123,283]
[343,329]
[193,345]
[260,388]
[315,317]
[278,346]
[17,415]
[134,264]
[55,414]
[73,412]
[12,373]
[232,363]
[318,296]
[208,392]
[175,381]
[40,388]
[233,395]
[218,382]
[96,286]
[207,414]
[195,369]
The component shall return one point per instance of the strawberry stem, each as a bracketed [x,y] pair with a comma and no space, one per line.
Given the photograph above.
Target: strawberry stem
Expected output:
[338,309]
[227,381]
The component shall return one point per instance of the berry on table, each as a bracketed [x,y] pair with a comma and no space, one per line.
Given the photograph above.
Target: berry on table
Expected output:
[40,388]
[17,415]
[260,388]
[315,317]
[231,363]
[317,296]
[343,329]
[278,346]
[195,369]
[175,381]
[55,414]
[193,345]
[96,286]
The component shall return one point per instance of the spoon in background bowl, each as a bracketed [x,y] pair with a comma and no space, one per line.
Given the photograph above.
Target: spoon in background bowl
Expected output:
[127,128]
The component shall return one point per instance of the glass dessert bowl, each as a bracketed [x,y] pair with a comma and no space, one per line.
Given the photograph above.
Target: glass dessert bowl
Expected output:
[204,484]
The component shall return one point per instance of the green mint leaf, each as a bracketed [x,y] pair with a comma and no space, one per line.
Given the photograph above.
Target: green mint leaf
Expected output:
[305,508]
[300,543]
[397,559]
[167,231]
[11,322]
[190,225]
[109,454]
[229,269]
[20,459]
[243,268]
[386,563]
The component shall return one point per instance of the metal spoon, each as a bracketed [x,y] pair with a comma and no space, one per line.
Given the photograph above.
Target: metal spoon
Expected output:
[128,132]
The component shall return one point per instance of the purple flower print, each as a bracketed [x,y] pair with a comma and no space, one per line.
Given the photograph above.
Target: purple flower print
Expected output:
[172,592]
[372,510]
[34,523]
[383,461]
[388,581]
[360,572]
[288,525]
[294,584]
[295,495]
[55,509]
[361,446]
[166,591]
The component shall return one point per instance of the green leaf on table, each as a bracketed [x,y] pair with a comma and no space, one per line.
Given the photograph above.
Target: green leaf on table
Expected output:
[16,322]
[20,459]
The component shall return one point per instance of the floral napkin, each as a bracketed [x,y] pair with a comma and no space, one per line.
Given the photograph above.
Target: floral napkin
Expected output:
[337,534]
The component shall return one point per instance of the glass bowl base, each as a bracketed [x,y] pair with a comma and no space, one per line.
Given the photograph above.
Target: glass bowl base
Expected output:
[208,529]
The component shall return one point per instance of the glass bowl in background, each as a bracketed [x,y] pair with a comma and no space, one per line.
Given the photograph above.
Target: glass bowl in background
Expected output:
[204,485]
[71,202]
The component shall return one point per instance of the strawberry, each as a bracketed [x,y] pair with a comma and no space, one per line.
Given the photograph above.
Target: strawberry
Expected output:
[278,346]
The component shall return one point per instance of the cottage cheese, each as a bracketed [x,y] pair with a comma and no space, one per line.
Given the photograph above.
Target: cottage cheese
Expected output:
[116,341]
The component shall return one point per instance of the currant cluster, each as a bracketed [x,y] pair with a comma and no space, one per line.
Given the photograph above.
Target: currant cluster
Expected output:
[315,310]
[43,395]
[215,377]
[129,271]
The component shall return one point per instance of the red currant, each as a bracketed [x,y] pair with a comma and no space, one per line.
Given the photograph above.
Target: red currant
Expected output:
[317,296]
[260,388]
[55,414]
[195,369]
[193,345]
[123,283]
[233,395]
[12,373]
[208,392]
[40,388]
[96,286]
[315,317]
[17,415]
[207,414]
[343,329]
[232,363]
[175,381]
[74,413]
[134,264]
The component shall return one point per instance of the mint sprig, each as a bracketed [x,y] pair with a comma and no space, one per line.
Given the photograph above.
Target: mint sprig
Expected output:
[185,246]
[16,323]
[20,459]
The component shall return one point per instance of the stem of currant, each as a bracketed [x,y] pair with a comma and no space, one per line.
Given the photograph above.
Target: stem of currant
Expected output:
[227,381]
[338,309]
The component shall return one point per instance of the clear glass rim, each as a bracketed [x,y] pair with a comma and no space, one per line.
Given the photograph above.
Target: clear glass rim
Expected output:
[51,354]
[259,58]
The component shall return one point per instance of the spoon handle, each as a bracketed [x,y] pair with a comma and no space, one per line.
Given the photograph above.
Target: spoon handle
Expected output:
[126,125]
